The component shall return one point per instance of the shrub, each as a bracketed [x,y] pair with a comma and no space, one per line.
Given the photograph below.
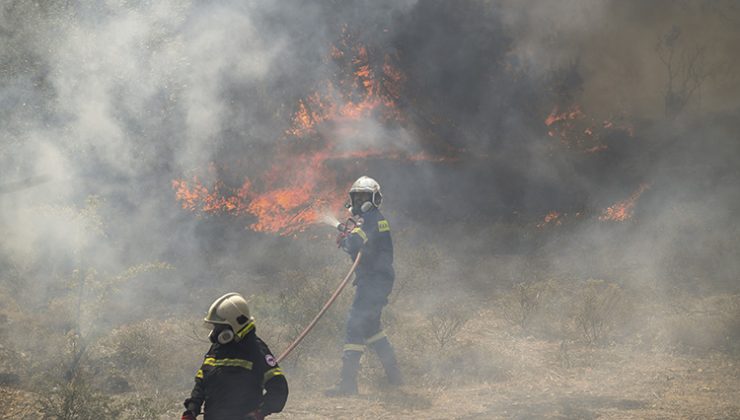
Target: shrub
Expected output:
[702,325]
[446,323]
[598,309]
[523,302]
[77,399]
[18,404]
[142,407]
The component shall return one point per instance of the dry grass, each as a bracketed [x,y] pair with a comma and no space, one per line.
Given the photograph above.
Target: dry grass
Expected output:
[542,348]
[489,369]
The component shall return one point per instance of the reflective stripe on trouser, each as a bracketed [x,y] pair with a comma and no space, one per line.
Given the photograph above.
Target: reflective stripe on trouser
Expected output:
[387,356]
[363,325]
[377,337]
[354,347]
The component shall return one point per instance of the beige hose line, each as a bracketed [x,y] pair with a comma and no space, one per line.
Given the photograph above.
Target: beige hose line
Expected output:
[323,310]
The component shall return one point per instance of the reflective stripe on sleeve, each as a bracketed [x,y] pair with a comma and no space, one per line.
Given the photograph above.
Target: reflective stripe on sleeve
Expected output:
[360,232]
[246,364]
[271,374]
[199,374]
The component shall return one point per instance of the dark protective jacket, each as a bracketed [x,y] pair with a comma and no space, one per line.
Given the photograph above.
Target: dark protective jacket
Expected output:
[373,237]
[232,379]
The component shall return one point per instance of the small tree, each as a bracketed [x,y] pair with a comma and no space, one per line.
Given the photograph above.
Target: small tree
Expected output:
[523,302]
[77,400]
[72,397]
[686,69]
[446,323]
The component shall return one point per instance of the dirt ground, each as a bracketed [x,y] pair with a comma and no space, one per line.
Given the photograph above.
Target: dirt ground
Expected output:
[619,384]
[549,380]
[493,371]
[546,381]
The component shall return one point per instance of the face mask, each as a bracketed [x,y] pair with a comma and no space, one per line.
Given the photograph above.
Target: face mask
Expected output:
[360,204]
[364,208]
[221,334]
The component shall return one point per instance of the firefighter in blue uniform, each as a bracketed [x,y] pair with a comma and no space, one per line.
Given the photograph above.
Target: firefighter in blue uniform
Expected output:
[373,280]
[240,378]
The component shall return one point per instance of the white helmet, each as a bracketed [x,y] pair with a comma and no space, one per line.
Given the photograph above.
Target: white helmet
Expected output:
[230,310]
[365,184]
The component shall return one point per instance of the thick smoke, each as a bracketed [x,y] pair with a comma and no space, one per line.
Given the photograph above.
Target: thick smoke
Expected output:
[116,99]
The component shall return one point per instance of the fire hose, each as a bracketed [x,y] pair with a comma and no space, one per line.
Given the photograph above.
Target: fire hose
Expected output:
[323,310]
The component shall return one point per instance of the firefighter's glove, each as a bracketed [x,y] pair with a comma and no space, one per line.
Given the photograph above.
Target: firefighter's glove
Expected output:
[340,238]
[256,415]
[188,415]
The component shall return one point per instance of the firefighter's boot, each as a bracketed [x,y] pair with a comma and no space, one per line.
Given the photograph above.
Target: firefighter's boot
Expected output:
[348,380]
[387,357]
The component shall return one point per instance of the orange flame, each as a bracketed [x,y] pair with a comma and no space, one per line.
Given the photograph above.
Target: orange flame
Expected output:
[291,209]
[624,209]
[195,196]
[284,210]
[362,93]
[571,114]
[300,186]
[552,216]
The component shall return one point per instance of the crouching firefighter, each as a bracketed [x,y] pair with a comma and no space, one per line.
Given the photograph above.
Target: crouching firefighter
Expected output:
[240,378]
[374,277]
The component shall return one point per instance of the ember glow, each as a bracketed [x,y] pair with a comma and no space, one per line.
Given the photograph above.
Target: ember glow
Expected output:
[618,212]
[624,209]
[552,217]
[578,131]
[557,116]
